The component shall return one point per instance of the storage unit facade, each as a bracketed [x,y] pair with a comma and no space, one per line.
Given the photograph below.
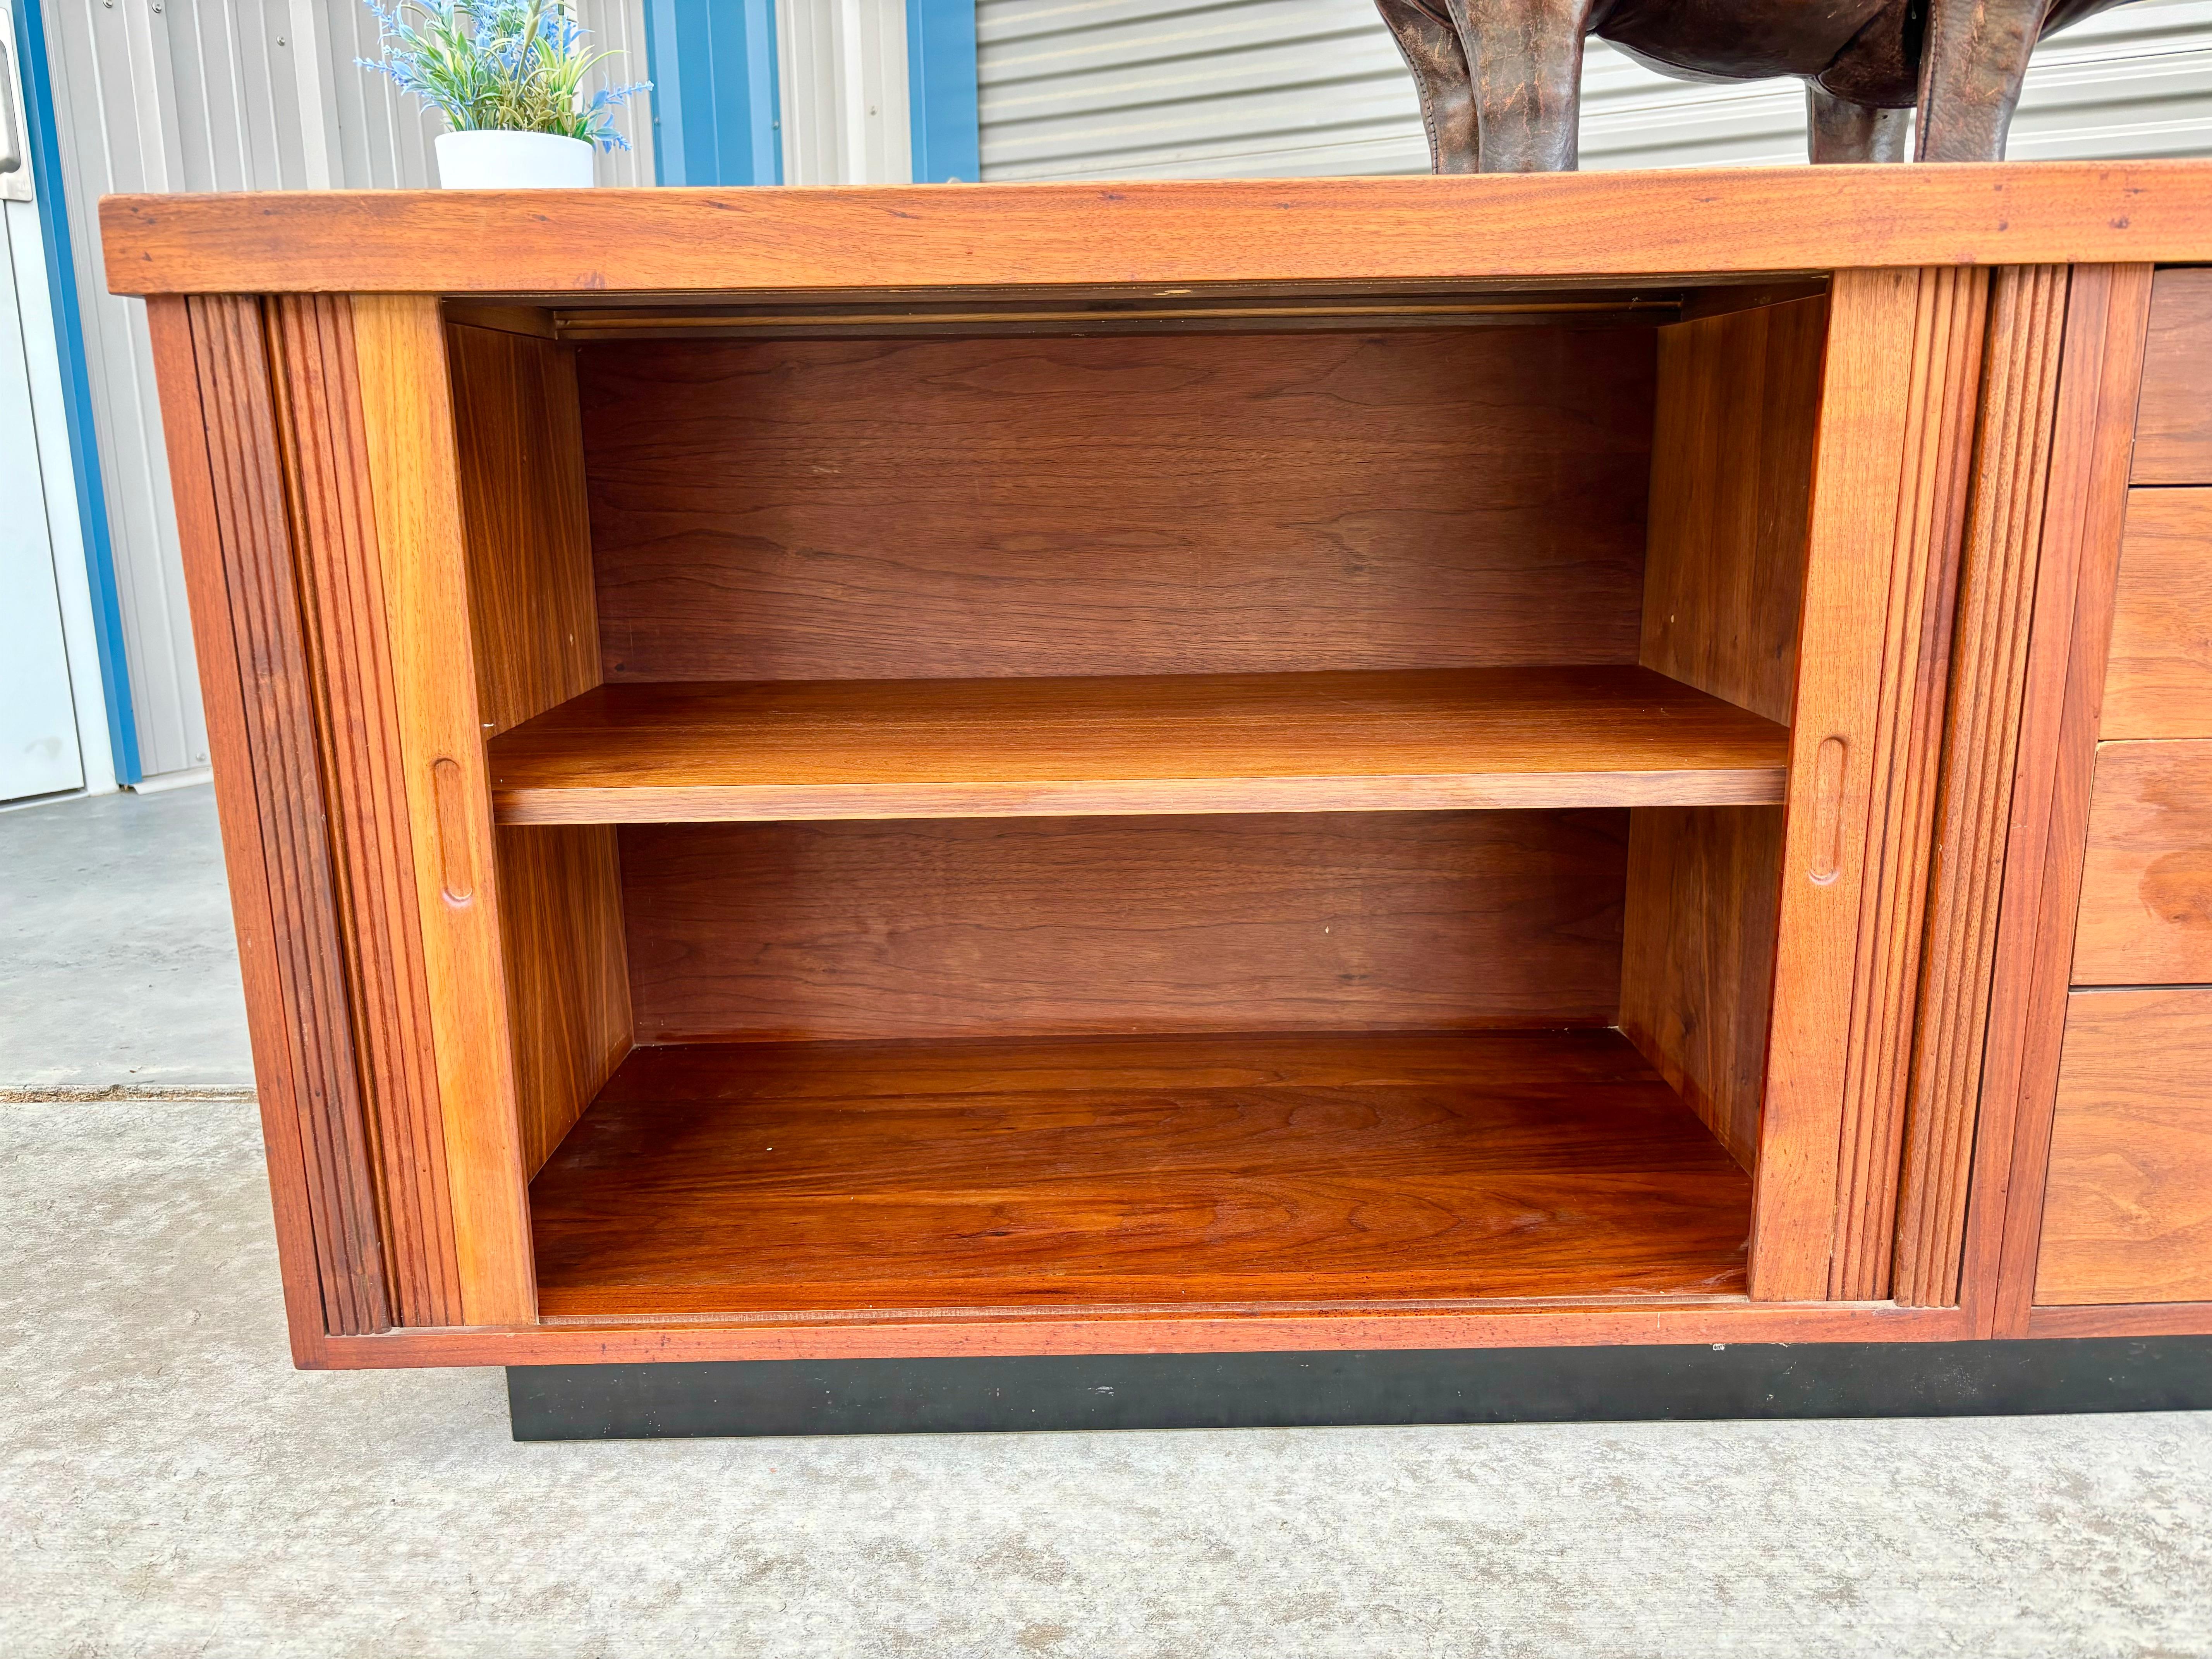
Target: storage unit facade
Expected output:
[1151,771]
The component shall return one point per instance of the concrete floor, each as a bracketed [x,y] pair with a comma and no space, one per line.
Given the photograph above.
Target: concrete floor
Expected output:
[117,964]
[169,1486]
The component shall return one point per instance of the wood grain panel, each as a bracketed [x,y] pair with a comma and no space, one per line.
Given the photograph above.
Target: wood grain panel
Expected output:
[1731,489]
[185,419]
[2084,505]
[984,927]
[1697,981]
[560,925]
[1848,916]
[1926,545]
[1529,1164]
[1737,418]
[2127,1215]
[260,594]
[2158,677]
[1248,743]
[1168,232]
[407,413]
[1548,1322]
[520,446]
[1989,666]
[2173,424]
[2146,911]
[2123,1319]
[963,313]
[340,576]
[534,320]
[1194,504]
[520,482]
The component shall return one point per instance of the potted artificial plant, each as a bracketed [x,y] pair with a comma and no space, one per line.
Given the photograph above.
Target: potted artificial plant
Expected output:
[507,75]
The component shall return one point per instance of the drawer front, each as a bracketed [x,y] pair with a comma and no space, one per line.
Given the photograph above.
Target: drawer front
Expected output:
[2146,914]
[2127,1213]
[2158,677]
[2173,421]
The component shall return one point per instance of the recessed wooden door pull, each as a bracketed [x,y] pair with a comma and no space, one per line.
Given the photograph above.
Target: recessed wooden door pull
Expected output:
[1828,811]
[456,869]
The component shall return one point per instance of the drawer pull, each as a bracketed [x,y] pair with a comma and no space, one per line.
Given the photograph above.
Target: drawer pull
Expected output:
[456,874]
[1828,812]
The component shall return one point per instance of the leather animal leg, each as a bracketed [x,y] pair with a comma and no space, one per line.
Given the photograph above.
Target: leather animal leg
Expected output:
[1840,130]
[1429,44]
[1525,57]
[1971,62]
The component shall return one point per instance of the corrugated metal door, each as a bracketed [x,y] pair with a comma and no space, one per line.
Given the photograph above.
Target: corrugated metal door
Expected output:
[222,94]
[1256,88]
[842,66]
[1173,89]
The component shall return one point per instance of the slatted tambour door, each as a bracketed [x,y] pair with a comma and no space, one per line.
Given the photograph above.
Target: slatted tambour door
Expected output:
[1288,89]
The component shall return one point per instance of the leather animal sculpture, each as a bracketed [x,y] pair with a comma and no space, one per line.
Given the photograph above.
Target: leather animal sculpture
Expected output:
[1501,80]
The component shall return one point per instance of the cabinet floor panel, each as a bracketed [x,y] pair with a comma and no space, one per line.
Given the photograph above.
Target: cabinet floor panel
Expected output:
[1460,737]
[1260,1169]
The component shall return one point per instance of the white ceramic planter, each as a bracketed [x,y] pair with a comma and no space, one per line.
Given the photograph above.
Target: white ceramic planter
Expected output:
[513,160]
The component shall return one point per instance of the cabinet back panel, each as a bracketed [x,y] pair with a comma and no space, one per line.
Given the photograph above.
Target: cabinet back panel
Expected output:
[1036,926]
[942,508]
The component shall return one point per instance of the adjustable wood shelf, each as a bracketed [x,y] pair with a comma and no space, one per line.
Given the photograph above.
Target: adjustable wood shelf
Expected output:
[1214,743]
[1352,763]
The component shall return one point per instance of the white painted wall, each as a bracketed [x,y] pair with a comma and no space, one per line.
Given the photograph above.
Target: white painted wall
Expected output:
[1259,88]
[222,95]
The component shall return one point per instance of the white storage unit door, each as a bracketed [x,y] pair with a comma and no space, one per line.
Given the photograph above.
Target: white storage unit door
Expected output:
[1285,89]
[38,751]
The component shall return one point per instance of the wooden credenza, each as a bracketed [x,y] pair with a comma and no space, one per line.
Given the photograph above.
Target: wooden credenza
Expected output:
[1356,763]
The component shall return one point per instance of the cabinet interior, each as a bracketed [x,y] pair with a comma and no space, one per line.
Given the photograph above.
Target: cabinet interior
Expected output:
[1138,800]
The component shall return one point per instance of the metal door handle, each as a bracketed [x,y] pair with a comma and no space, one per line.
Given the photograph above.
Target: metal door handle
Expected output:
[11,136]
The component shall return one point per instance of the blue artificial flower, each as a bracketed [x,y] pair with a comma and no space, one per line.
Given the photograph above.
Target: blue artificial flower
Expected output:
[499,65]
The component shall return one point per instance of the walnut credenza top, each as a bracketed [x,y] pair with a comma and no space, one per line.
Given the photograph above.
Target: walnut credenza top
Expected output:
[1274,232]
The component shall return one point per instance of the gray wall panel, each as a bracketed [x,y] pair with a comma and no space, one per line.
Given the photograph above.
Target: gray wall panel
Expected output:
[117,106]
[223,94]
[1253,88]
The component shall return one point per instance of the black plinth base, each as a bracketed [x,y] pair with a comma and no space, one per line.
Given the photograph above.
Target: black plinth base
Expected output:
[1292,1390]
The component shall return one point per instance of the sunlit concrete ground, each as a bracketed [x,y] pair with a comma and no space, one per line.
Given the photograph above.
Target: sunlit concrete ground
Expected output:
[116,965]
[169,1486]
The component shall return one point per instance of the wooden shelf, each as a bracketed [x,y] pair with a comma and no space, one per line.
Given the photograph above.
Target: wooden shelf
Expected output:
[788,1178]
[1215,743]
